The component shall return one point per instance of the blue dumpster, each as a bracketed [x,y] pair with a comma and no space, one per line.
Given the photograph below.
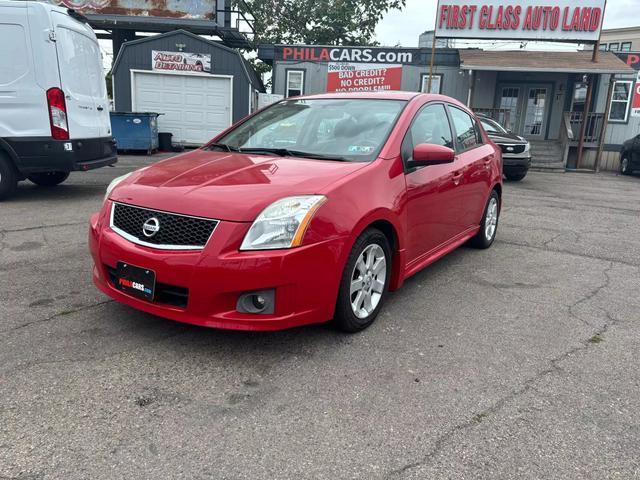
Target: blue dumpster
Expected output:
[135,130]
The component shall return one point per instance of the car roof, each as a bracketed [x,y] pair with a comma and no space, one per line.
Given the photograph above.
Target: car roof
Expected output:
[382,95]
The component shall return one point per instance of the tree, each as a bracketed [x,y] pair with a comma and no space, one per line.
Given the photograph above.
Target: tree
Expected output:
[319,22]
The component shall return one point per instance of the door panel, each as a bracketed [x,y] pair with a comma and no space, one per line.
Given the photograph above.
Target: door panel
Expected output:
[432,194]
[535,113]
[82,79]
[509,98]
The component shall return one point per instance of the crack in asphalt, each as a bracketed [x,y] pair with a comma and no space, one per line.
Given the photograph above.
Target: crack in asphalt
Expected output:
[26,229]
[567,252]
[477,418]
[54,316]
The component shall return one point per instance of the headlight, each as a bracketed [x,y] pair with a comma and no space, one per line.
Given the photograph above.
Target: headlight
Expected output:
[527,147]
[283,223]
[114,183]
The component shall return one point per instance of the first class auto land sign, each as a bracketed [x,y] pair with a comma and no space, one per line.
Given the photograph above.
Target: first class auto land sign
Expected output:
[363,77]
[546,20]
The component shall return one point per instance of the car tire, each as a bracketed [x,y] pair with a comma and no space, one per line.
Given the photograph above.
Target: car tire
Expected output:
[489,225]
[8,177]
[515,177]
[625,168]
[48,179]
[364,285]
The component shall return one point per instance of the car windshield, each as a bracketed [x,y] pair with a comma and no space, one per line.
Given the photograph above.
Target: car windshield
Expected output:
[491,126]
[333,129]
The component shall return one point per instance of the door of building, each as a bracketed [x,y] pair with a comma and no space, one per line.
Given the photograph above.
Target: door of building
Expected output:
[524,108]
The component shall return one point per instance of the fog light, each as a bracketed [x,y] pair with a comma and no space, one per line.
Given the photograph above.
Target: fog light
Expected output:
[262,302]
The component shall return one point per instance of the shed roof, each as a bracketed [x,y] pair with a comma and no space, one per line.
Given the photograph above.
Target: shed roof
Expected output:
[529,61]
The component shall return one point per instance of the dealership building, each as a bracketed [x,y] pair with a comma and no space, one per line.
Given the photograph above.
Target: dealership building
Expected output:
[539,95]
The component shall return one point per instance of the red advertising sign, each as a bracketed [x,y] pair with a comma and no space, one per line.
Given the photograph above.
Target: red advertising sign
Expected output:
[363,77]
[635,102]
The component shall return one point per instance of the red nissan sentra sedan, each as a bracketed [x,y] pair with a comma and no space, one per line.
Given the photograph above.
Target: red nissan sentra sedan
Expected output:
[310,210]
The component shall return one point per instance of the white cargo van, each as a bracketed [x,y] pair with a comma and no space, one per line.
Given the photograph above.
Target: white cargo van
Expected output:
[54,115]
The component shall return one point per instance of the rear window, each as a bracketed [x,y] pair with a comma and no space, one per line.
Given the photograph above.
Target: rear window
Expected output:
[14,61]
[80,63]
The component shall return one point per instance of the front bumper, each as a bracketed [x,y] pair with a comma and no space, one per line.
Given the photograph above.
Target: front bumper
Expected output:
[516,164]
[305,279]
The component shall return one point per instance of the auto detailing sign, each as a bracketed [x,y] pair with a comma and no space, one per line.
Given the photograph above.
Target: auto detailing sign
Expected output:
[180,61]
[346,54]
[363,77]
[563,20]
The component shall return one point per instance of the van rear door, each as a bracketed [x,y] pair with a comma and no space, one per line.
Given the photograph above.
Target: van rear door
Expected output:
[82,78]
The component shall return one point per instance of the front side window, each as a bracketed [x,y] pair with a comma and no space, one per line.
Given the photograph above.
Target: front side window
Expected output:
[620,101]
[295,83]
[466,131]
[340,129]
[431,125]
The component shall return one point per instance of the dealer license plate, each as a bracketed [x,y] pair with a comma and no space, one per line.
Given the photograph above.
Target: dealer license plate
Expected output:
[136,281]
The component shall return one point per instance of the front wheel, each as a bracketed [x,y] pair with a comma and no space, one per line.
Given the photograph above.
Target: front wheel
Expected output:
[48,179]
[365,282]
[489,225]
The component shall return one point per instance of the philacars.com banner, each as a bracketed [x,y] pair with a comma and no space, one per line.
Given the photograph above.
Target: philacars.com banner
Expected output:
[363,77]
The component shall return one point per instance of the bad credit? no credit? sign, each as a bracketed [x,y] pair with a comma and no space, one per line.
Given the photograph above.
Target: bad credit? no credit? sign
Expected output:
[363,77]
[546,20]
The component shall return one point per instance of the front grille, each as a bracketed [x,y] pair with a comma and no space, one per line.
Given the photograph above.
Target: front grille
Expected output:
[164,293]
[174,231]
[515,148]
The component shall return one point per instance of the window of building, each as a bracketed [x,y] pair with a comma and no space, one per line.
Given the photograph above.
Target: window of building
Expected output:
[436,83]
[467,132]
[625,47]
[614,47]
[620,100]
[603,47]
[295,83]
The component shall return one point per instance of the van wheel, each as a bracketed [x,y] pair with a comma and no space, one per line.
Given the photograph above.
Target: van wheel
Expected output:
[48,179]
[8,177]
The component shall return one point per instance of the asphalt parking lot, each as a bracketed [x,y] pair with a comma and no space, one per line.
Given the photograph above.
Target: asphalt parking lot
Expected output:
[520,361]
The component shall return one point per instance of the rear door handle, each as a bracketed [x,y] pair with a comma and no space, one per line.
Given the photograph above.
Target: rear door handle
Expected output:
[100,108]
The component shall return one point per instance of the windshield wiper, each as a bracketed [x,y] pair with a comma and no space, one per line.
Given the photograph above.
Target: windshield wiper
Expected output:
[222,146]
[285,152]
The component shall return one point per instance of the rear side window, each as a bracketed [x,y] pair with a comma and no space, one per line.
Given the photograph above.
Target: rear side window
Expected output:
[467,133]
[80,63]
[14,61]
[430,125]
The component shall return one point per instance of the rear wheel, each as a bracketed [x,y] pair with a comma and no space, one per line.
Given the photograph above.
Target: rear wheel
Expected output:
[489,225]
[8,177]
[365,282]
[48,179]
[625,168]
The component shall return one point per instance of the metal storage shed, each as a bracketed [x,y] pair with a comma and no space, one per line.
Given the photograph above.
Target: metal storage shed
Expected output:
[201,88]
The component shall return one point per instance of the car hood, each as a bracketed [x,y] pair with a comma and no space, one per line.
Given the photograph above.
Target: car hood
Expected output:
[227,186]
[511,138]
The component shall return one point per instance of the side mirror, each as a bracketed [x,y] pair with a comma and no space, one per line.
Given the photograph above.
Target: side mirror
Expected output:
[429,154]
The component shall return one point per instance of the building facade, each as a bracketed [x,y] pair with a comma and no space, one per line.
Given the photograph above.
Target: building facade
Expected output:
[539,95]
[199,87]
[620,39]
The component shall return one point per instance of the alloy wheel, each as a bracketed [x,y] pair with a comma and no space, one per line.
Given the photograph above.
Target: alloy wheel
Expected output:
[368,280]
[491,219]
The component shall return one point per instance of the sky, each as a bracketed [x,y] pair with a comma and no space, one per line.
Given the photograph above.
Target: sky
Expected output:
[404,27]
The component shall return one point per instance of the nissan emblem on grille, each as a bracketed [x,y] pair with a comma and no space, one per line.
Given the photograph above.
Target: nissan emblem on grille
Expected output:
[151,227]
[160,229]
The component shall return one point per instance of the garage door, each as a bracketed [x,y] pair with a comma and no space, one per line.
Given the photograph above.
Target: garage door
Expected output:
[195,107]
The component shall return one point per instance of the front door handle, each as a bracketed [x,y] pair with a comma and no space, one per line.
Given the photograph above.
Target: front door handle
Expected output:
[457,176]
[100,108]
